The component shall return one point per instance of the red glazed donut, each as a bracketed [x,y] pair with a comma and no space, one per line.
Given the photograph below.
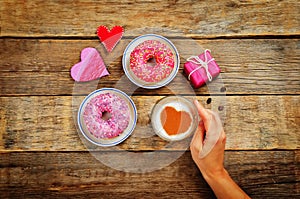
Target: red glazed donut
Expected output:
[106,128]
[152,49]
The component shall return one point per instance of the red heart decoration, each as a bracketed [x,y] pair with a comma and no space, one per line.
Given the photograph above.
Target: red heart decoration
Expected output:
[110,38]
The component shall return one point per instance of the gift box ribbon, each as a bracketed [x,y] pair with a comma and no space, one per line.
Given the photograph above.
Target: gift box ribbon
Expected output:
[201,64]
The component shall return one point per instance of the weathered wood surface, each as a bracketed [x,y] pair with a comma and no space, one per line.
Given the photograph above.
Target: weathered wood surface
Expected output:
[255,43]
[196,18]
[46,123]
[233,55]
[262,174]
[263,66]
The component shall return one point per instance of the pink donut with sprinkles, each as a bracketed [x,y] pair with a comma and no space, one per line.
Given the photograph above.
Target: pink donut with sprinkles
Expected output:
[152,61]
[106,104]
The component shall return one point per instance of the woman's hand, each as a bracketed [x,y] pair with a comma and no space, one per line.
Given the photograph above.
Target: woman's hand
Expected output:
[207,148]
[212,163]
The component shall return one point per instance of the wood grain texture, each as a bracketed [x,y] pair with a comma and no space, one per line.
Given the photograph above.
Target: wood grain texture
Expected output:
[263,66]
[58,55]
[251,123]
[256,44]
[260,173]
[196,18]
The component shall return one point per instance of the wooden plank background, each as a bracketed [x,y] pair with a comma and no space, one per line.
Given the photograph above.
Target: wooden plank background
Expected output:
[49,124]
[256,44]
[77,174]
[244,63]
[205,19]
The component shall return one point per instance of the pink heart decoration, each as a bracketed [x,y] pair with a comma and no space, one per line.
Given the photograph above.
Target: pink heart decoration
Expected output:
[110,38]
[91,66]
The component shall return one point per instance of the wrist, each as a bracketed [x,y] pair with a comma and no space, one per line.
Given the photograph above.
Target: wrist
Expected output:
[215,175]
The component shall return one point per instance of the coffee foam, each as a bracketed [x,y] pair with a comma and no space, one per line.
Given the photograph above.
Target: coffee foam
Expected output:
[159,127]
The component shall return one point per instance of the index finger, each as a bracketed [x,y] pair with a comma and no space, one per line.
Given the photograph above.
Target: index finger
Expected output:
[202,112]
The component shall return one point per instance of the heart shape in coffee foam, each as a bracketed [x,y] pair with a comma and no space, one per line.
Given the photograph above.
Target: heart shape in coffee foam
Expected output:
[91,66]
[174,121]
[110,38]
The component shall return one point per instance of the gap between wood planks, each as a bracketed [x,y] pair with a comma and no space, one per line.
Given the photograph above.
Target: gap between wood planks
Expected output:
[202,37]
[267,123]
[145,151]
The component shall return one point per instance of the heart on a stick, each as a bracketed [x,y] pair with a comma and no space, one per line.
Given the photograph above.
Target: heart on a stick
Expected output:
[110,38]
[90,68]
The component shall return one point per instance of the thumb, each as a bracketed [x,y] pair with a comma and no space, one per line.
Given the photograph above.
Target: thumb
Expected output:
[212,134]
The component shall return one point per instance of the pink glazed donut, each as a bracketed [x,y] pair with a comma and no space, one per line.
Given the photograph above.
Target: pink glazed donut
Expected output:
[106,103]
[160,69]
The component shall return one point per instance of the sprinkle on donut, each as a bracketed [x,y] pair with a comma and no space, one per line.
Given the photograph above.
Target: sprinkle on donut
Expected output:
[106,127]
[149,50]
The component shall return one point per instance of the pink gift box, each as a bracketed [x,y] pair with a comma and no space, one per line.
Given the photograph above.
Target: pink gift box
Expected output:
[201,69]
